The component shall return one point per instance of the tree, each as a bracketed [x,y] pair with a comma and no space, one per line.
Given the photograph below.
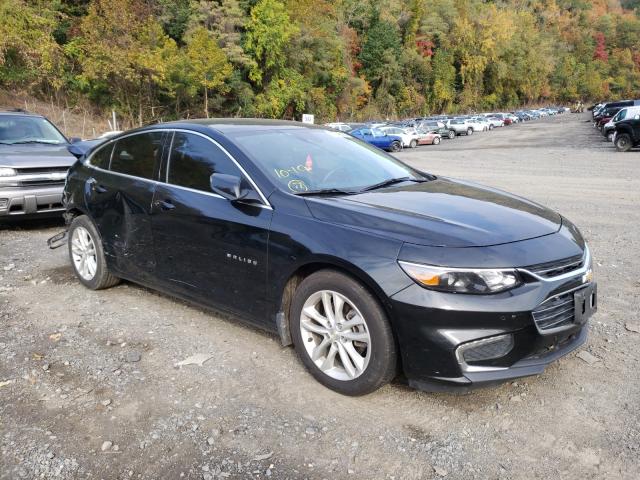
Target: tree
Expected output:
[268,31]
[382,44]
[28,53]
[208,63]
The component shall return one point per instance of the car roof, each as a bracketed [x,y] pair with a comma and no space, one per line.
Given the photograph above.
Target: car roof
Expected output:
[20,113]
[234,124]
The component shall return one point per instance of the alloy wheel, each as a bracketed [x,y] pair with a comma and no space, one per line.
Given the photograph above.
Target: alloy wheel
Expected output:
[83,253]
[335,335]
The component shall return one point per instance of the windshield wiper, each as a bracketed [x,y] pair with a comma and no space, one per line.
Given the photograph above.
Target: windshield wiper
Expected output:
[325,191]
[22,142]
[392,181]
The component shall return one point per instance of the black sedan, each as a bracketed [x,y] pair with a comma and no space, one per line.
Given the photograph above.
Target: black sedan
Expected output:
[368,266]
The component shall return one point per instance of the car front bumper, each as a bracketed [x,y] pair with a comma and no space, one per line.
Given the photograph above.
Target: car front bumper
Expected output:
[435,329]
[17,202]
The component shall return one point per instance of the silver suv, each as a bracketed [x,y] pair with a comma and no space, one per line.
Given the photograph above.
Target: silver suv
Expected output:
[33,165]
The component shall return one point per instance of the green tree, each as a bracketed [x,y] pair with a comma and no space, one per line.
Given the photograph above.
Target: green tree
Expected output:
[269,29]
[208,63]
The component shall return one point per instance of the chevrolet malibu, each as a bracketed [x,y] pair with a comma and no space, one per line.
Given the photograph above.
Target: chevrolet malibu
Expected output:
[371,268]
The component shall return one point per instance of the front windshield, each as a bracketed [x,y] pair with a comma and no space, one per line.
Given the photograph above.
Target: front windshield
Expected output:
[300,160]
[26,129]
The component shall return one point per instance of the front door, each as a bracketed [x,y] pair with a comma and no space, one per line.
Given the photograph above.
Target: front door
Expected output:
[207,247]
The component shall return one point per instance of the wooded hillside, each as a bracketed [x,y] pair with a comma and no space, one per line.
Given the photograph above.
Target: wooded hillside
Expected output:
[340,59]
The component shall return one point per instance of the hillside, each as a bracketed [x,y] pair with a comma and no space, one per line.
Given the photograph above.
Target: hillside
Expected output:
[339,59]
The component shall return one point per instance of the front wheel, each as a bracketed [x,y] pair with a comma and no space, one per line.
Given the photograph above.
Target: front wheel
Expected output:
[414,143]
[396,146]
[87,255]
[491,127]
[623,142]
[436,141]
[452,134]
[469,131]
[341,334]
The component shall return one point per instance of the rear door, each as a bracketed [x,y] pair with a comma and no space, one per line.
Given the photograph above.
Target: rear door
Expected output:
[119,198]
[207,247]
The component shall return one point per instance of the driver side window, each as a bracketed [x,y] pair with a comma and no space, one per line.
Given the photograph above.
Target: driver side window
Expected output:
[193,159]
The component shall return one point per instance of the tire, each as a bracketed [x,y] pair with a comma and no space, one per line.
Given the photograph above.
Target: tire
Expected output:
[376,350]
[610,137]
[413,144]
[91,269]
[436,141]
[469,131]
[396,146]
[452,134]
[623,142]
[491,126]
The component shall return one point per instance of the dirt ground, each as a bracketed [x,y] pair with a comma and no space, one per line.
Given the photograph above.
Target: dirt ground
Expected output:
[89,386]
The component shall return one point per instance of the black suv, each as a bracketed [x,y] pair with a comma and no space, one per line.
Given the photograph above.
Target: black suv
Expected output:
[368,266]
[627,134]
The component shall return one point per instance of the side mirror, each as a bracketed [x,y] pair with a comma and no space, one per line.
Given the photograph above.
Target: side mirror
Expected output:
[75,140]
[76,150]
[227,186]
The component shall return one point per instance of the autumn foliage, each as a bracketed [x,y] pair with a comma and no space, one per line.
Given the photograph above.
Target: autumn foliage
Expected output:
[338,59]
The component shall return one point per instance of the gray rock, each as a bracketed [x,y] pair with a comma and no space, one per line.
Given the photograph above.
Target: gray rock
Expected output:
[106,446]
[587,357]
[133,356]
[106,403]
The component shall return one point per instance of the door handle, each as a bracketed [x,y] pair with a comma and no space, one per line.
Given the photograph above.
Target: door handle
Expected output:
[165,205]
[95,187]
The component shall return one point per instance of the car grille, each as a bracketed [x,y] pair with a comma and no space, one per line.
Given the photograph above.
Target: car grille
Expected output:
[29,177]
[556,312]
[557,267]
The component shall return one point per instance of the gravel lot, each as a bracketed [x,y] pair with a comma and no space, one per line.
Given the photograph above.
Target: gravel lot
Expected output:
[89,386]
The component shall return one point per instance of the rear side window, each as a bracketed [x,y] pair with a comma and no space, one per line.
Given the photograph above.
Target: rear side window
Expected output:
[102,157]
[194,159]
[138,155]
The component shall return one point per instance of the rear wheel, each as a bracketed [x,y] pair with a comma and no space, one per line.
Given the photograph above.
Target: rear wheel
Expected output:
[436,141]
[469,131]
[413,143]
[623,142]
[452,134]
[87,255]
[610,137]
[341,334]
[396,146]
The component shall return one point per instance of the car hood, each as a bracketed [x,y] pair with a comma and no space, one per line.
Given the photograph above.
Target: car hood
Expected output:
[442,212]
[35,155]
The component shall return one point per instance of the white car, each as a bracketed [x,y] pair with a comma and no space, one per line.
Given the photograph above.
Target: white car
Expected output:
[409,136]
[496,121]
[342,127]
[461,126]
[483,122]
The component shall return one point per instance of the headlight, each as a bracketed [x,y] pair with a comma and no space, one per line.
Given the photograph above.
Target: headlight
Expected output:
[462,280]
[7,172]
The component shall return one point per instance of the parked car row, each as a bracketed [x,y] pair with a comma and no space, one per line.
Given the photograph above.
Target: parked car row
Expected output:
[618,122]
[412,132]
